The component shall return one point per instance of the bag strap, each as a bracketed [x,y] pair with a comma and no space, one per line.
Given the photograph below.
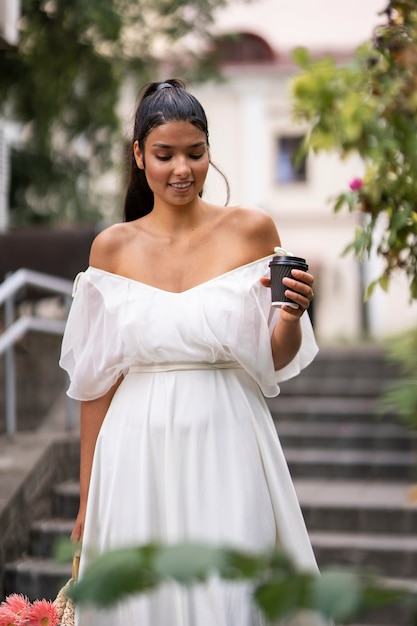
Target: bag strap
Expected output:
[76,564]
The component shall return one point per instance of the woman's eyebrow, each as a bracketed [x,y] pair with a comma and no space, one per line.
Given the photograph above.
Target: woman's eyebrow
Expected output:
[167,146]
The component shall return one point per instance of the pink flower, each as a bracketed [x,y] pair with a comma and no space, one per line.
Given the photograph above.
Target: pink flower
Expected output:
[8,617]
[356,184]
[42,613]
[13,610]
[17,602]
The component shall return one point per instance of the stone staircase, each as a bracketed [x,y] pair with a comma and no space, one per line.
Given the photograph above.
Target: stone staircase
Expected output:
[352,471]
[37,574]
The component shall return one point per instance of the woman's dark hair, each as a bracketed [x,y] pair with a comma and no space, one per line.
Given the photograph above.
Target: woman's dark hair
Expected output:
[161,102]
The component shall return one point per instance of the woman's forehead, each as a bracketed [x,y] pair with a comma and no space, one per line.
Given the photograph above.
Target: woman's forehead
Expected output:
[176,132]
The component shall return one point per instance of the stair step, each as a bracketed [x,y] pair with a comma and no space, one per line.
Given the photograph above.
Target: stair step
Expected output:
[351,362]
[396,615]
[345,435]
[324,409]
[364,387]
[46,533]
[66,499]
[354,506]
[36,577]
[351,464]
[386,616]
[388,555]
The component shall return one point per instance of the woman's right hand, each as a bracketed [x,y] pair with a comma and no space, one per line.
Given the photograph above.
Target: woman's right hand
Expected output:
[78,530]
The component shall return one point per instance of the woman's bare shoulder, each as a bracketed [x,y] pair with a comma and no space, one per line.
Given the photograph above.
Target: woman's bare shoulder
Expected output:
[256,227]
[108,244]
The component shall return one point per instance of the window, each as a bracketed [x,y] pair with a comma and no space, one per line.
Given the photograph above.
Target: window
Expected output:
[290,167]
[243,48]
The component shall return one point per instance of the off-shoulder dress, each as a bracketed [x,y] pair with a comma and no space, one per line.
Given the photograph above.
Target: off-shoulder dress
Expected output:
[188,449]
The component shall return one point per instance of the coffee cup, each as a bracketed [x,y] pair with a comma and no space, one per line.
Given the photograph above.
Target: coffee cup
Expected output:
[280,267]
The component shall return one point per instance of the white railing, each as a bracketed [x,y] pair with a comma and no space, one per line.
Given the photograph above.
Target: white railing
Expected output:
[16,329]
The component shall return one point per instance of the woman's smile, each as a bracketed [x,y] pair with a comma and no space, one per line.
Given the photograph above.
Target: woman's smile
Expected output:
[181,186]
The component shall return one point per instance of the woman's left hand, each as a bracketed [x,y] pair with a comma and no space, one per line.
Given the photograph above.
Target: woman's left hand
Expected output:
[299,289]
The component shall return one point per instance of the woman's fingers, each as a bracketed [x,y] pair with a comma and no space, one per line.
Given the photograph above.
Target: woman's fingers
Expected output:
[300,288]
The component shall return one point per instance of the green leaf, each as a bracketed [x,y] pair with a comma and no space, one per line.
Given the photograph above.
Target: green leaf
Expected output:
[63,550]
[301,57]
[337,593]
[187,563]
[241,565]
[370,290]
[284,595]
[117,574]
[383,282]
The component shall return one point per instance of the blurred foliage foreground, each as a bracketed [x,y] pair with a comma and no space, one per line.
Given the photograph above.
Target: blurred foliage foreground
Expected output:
[279,590]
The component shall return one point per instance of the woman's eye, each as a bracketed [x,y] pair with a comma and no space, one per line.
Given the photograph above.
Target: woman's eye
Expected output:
[196,156]
[162,158]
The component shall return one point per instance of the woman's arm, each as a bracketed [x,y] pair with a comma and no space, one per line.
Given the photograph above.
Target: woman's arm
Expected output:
[260,235]
[92,416]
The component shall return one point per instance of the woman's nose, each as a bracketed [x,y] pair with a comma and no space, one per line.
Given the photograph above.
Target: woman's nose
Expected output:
[182,166]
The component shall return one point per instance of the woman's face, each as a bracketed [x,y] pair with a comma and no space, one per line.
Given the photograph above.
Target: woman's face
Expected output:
[175,161]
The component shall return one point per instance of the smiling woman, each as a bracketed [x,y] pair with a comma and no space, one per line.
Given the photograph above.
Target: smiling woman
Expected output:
[171,345]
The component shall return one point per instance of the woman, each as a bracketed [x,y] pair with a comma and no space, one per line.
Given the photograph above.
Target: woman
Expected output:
[170,345]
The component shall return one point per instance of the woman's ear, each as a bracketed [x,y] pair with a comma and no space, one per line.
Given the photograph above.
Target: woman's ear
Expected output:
[138,156]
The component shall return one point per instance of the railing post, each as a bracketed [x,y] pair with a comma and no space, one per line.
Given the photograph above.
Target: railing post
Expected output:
[10,374]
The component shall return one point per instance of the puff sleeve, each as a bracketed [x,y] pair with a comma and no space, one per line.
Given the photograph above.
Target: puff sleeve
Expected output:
[92,350]
[250,328]
[262,365]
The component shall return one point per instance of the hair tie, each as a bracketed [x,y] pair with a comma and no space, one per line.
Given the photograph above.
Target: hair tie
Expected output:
[163,86]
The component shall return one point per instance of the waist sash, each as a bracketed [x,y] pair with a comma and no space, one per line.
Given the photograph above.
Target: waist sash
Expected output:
[184,366]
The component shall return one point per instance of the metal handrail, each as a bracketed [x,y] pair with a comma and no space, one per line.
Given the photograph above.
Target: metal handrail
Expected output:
[24,277]
[14,330]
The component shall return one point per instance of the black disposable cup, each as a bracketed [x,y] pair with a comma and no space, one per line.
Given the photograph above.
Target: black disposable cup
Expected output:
[281,266]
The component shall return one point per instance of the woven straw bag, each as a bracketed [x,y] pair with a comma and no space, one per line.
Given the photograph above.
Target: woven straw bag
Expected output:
[63,603]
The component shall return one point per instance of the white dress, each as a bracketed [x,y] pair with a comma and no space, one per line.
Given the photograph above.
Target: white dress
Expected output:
[188,449]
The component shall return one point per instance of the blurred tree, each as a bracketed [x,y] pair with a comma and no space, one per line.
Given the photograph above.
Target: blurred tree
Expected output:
[369,107]
[63,87]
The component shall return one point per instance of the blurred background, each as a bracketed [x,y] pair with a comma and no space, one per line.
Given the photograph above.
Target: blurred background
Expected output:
[70,74]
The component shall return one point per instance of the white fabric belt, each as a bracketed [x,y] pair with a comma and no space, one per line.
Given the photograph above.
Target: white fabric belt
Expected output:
[183,366]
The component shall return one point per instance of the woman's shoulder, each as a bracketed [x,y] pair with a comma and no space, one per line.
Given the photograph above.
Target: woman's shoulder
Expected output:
[251,216]
[108,244]
[255,226]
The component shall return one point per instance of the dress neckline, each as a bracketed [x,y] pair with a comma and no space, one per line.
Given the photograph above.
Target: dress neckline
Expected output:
[178,293]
